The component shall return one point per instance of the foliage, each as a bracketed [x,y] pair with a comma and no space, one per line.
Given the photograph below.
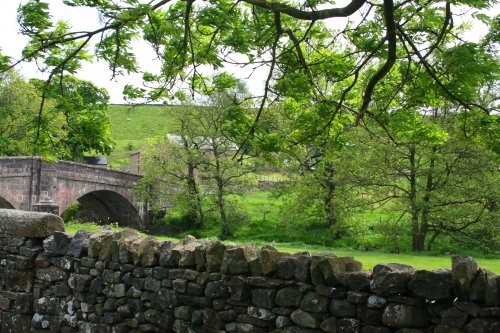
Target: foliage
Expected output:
[65,126]
[19,103]
[198,162]
[82,105]
[357,68]
[445,186]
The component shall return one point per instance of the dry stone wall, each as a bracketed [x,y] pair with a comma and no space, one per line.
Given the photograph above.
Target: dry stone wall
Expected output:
[121,282]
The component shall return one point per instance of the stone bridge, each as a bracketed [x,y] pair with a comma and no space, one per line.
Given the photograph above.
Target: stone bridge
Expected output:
[105,195]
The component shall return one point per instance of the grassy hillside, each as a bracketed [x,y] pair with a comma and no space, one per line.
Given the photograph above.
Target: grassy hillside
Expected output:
[132,125]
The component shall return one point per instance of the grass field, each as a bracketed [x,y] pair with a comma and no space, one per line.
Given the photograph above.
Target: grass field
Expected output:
[132,125]
[368,258]
[261,219]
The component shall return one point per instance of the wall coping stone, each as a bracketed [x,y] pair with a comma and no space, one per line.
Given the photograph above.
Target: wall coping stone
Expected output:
[29,224]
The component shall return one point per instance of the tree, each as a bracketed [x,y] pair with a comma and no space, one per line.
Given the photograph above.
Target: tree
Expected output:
[203,152]
[295,41]
[314,164]
[171,167]
[19,103]
[86,125]
[67,125]
[444,185]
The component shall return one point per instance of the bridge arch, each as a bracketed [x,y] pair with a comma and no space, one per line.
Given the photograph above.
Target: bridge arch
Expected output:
[105,206]
[6,200]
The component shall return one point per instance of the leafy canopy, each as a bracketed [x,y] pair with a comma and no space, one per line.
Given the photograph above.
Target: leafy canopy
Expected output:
[309,52]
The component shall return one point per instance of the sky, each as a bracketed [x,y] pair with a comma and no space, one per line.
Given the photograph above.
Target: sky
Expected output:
[12,43]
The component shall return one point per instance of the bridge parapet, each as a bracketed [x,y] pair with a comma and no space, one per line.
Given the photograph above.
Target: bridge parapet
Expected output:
[33,184]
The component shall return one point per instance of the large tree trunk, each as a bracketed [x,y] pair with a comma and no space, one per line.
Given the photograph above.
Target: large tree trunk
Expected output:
[429,187]
[226,231]
[195,199]
[329,186]
[417,240]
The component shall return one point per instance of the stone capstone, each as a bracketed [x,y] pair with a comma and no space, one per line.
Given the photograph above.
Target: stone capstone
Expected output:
[463,271]
[29,224]
[434,285]
[236,260]
[391,279]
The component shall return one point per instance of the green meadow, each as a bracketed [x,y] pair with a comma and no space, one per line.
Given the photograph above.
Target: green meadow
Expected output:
[261,218]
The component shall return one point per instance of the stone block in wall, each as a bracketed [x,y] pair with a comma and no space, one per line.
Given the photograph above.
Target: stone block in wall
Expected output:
[303,267]
[375,329]
[470,308]
[369,316]
[434,285]
[267,259]
[187,251]
[342,308]
[17,280]
[447,329]
[478,286]
[214,256]
[239,289]
[249,319]
[262,282]
[332,292]
[96,240]
[289,297]
[285,266]
[391,279]
[31,247]
[200,258]
[312,302]
[57,243]
[483,325]
[261,313]
[14,323]
[348,325]
[492,292]
[166,320]
[463,271]
[304,319]
[357,281]
[23,302]
[325,268]
[167,256]
[42,261]
[329,325]
[52,306]
[79,244]
[211,319]
[5,302]
[64,263]
[80,282]
[20,263]
[150,252]
[351,265]
[357,297]
[403,315]
[376,302]
[244,328]
[263,297]
[183,274]
[216,289]
[454,317]
[235,260]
